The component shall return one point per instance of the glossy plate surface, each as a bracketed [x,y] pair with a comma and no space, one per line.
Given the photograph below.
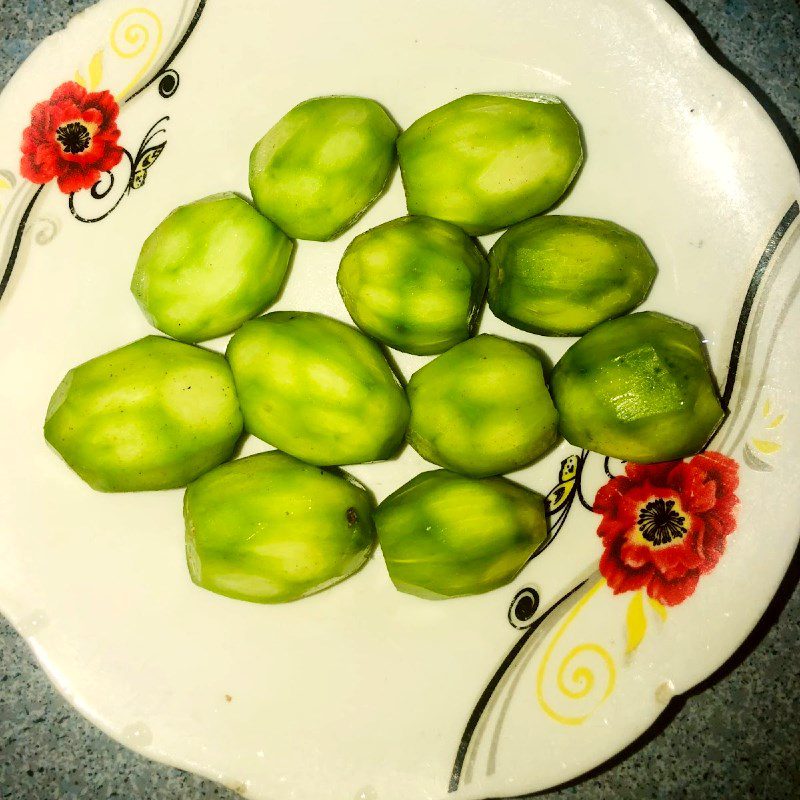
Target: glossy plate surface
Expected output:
[361,692]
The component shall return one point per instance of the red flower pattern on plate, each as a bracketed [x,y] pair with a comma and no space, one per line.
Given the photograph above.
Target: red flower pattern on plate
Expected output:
[665,525]
[72,137]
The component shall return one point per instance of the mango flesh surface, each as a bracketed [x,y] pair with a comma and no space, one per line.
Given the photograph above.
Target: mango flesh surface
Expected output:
[415,284]
[322,165]
[154,414]
[485,162]
[317,389]
[210,266]
[561,276]
[271,529]
[637,388]
[482,408]
[444,535]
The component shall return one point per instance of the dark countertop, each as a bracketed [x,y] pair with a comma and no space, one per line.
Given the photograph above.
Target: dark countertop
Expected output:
[736,736]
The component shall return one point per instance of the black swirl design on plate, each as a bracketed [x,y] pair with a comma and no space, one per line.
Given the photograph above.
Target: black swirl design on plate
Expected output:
[523,608]
[137,166]
[169,83]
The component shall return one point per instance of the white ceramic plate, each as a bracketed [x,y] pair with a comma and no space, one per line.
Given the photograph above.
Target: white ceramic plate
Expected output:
[361,692]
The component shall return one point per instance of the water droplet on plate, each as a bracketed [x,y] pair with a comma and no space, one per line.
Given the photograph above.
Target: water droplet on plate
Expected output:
[665,692]
[137,735]
[367,793]
[33,624]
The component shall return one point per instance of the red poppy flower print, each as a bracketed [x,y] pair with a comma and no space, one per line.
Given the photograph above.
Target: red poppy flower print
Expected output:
[72,137]
[665,525]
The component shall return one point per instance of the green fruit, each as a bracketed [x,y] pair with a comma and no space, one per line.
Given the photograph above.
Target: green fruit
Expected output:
[154,414]
[271,529]
[482,408]
[414,283]
[317,389]
[561,276]
[208,267]
[443,535]
[487,161]
[637,388]
[322,165]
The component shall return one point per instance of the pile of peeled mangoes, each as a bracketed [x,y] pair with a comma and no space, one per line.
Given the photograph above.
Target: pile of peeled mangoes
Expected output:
[163,413]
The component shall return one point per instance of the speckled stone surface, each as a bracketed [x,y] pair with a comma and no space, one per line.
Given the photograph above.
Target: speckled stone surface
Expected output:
[736,736]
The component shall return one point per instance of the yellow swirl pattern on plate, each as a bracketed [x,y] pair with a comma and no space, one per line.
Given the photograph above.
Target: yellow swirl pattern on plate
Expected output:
[576,679]
[138,31]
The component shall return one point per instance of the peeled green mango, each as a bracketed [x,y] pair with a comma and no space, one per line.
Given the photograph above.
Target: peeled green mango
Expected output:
[322,165]
[155,414]
[637,388]
[317,389]
[482,408]
[561,276]
[271,529]
[414,283]
[208,267]
[488,161]
[443,535]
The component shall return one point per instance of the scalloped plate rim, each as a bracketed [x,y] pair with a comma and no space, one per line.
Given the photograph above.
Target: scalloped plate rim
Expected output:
[661,11]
